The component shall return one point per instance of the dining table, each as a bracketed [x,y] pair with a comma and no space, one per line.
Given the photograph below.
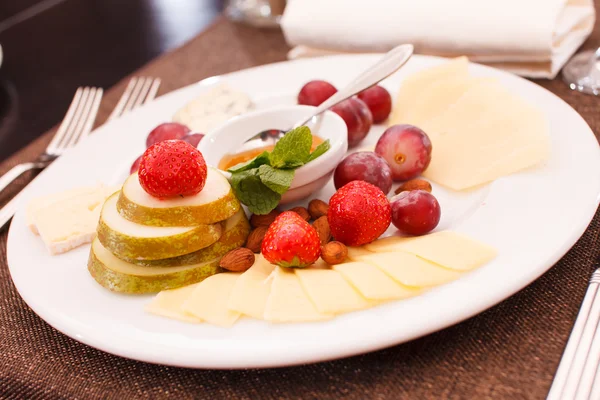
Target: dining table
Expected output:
[512,350]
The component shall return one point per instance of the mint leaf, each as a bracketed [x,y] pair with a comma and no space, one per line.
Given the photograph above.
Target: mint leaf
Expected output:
[249,189]
[319,151]
[278,180]
[261,159]
[293,149]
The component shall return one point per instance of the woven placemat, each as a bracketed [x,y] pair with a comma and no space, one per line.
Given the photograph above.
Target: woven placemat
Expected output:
[509,351]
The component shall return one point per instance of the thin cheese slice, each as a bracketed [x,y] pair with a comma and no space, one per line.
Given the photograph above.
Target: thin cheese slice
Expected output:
[209,300]
[288,302]
[414,85]
[446,248]
[169,303]
[411,270]
[330,292]
[251,291]
[354,253]
[373,283]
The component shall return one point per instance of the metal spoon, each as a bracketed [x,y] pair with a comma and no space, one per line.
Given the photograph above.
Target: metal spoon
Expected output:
[387,65]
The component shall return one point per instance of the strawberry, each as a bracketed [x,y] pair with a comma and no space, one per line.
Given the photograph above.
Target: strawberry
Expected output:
[359,213]
[290,241]
[172,168]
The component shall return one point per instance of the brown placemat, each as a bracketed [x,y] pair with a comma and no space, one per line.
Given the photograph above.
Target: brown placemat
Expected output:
[509,351]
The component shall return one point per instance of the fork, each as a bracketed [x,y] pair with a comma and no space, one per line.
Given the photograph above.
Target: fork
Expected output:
[138,91]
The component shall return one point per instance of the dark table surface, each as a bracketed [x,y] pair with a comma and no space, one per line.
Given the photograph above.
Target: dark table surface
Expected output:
[53,46]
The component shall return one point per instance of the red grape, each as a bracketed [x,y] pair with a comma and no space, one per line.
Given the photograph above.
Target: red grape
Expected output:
[357,116]
[379,101]
[407,149]
[136,165]
[364,166]
[315,92]
[416,212]
[193,138]
[166,131]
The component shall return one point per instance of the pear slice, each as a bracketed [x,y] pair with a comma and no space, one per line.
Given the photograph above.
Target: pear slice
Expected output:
[216,202]
[121,276]
[129,240]
[235,233]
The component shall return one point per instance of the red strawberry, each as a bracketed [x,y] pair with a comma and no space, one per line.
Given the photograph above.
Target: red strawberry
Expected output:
[290,241]
[358,213]
[172,168]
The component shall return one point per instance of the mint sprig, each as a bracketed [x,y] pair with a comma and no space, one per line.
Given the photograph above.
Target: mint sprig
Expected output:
[260,182]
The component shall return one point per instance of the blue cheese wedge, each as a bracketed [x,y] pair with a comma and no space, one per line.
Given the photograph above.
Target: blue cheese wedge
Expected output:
[213,108]
[68,219]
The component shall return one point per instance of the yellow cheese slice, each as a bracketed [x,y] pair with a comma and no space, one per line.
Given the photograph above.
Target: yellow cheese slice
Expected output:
[497,132]
[330,292]
[411,270]
[208,301]
[448,249]
[412,87]
[251,291]
[373,283]
[354,253]
[169,303]
[288,302]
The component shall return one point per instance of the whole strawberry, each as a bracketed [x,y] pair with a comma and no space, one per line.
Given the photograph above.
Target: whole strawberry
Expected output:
[172,168]
[290,241]
[358,213]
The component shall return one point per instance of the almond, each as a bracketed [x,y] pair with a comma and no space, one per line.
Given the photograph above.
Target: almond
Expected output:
[334,253]
[414,184]
[317,208]
[257,220]
[237,260]
[302,212]
[255,238]
[321,225]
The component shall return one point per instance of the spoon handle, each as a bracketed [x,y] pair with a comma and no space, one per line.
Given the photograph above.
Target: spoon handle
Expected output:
[387,65]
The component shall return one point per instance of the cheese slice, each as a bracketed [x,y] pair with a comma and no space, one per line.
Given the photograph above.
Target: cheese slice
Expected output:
[373,283]
[411,270]
[497,133]
[70,222]
[251,291]
[288,302]
[412,87]
[330,292]
[212,108]
[208,300]
[354,253]
[169,303]
[448,249]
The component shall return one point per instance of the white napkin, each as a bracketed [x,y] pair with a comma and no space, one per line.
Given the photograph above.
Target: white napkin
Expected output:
[532,38]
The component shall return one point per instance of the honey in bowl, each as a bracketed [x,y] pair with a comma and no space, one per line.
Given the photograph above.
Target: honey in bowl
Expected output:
[230,160]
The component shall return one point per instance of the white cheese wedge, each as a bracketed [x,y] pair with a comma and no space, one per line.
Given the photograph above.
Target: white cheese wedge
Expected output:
[412,87]
[288,302]
[251,291]
[373,283]
[330,292]
[208,300]
[213,108]
[354,253]
[169,303]
[71,221]
[446,248]
[411,270]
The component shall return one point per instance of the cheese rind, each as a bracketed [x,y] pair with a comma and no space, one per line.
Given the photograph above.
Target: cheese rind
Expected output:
[288,302]
[209,300]
[169,303]
[373,283]
[411,270]
[251,291]
[330,292]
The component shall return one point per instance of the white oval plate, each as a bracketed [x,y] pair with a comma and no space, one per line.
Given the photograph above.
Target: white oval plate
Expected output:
[532,218]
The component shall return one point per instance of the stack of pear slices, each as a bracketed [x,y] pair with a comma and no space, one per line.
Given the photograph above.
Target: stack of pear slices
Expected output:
[145,245]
